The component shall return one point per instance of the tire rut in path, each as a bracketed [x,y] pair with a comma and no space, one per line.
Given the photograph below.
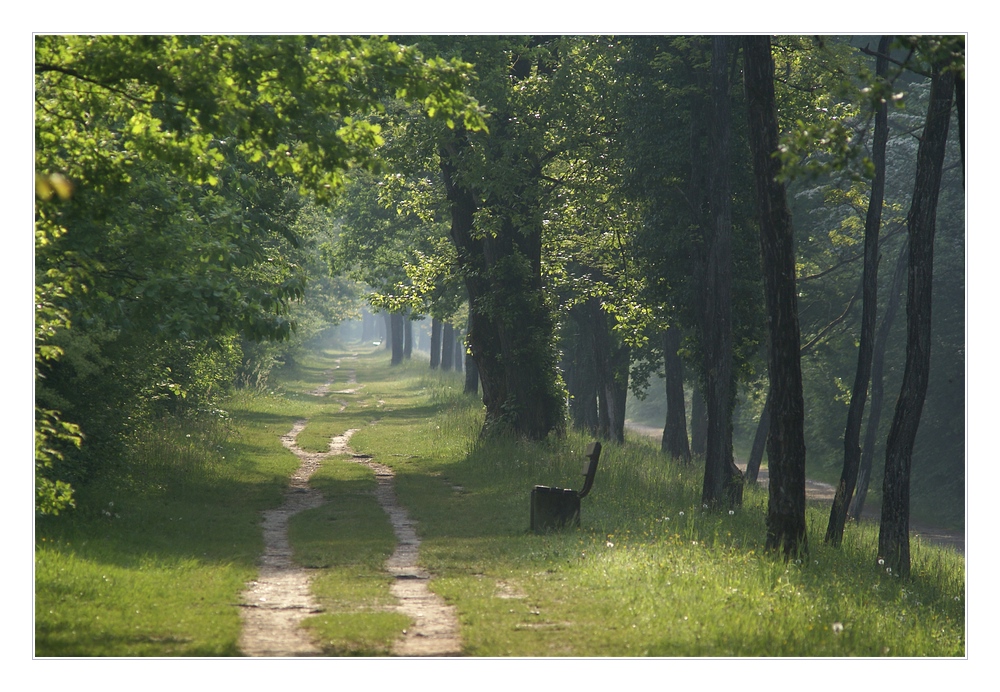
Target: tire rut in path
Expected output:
[435,623]
[276,603]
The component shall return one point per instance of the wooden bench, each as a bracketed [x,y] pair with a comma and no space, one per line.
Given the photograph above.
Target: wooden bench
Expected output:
[555,508]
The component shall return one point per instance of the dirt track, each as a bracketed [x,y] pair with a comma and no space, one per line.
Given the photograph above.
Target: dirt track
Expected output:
[275,604]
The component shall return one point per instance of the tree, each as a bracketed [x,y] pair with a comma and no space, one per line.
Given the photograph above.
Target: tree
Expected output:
[675,438]
[878,384]
[499,182]
[859,392]
[894,538]
[786,528]
[188,158]
[723,482]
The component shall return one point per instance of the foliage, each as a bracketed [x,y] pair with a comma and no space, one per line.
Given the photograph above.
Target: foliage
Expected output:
[170,171]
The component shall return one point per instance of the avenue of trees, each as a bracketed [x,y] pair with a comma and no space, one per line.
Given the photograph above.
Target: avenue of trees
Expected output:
[769,231]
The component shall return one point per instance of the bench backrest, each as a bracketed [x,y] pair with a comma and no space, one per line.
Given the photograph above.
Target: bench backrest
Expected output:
[593,454]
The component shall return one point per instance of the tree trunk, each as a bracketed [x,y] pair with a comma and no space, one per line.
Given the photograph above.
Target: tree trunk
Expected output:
[407,337]
[675,437]
[447,346]
[396,337]
[786,449]
[759,442]
[435,343]
[894,530]
[611,360]
[878,383]
[512,332]
[471,375]
[862,375]
[723,482]
[580,371]
[699,422]
[459,351]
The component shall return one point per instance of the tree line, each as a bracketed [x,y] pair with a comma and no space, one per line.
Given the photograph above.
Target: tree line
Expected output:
[592,212]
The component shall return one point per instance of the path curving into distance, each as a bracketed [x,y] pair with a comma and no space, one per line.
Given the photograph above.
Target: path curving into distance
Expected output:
[274,605]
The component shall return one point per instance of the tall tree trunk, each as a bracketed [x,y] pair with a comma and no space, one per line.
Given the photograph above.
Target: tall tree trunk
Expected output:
[435,343]
[512,333]
[759,442]
[407,336]
[459,351]
[580,371]
[878,383]
[699,422]
[723,482]
[675,436]
[447,346]
[862,375]
[396,337]
[786,449]
[611,362]
[894,531]
[471,370]
[471,375]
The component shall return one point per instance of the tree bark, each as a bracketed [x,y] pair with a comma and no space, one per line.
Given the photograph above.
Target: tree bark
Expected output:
[447,346]
[699,422]
[675,436]
[878,383]
[611,360]
[862,375]
[435,343]
[759,442]
[396,337]
[723,481]
[512,327]
[407,337]
[580,372]
[786,450]
[894,530]
[471,375]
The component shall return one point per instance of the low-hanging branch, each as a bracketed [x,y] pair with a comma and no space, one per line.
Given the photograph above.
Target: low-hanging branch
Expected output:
[850,260]
[826,330]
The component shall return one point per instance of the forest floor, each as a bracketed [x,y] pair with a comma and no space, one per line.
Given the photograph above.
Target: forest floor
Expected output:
[823,493]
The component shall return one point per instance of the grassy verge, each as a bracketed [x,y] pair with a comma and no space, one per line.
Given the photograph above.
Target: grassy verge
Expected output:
[154,561]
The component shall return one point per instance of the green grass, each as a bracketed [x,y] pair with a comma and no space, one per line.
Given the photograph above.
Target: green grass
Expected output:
[649,573]
[152,562]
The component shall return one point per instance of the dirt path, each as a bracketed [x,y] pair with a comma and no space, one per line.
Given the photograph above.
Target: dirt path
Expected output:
[435,628]
[817,491]
[274,605]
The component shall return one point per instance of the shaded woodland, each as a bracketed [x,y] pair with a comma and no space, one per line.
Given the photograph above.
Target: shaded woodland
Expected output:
[761,239]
